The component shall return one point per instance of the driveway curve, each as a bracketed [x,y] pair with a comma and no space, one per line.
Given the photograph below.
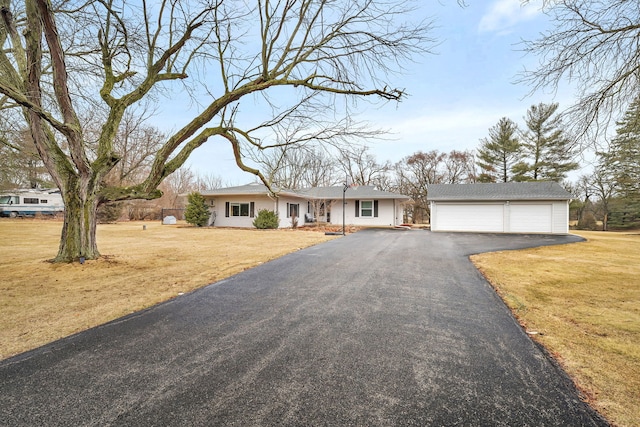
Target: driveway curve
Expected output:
[378,328]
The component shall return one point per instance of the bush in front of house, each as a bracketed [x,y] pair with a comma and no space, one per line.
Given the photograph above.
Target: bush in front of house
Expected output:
[197,211]
[266,219]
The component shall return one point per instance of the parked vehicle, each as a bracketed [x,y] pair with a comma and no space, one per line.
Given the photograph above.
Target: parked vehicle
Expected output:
[31,202]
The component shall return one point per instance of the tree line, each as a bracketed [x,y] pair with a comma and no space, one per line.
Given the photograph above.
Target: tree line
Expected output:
[137,140]
[611,192]
[542,150]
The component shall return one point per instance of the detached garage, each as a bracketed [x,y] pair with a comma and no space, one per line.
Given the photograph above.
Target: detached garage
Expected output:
[509,207]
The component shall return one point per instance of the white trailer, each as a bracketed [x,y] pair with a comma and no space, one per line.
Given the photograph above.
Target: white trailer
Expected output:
[31,202]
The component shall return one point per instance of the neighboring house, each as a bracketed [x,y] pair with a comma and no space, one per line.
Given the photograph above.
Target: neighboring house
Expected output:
[510,207]
[365,206]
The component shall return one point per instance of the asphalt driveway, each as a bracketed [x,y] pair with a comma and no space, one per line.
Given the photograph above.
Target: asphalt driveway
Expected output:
[378,328]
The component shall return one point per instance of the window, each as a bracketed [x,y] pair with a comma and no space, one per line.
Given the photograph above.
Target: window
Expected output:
[292,210]
[30,201]
[366,208]
[239,209]
[44,201]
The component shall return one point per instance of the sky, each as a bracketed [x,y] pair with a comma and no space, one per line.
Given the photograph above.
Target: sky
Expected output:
[455,94]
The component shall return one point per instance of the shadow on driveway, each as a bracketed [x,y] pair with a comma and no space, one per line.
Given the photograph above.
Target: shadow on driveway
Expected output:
[378,328]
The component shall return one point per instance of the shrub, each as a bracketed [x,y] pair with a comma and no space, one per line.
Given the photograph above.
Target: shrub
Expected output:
[197,211]
[587,222]
[266,219]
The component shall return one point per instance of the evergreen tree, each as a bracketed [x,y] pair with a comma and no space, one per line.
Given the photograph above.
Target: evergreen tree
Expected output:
[497,154]
[549,151]
[623,159]
[197,212]
[623,163]
[266,219]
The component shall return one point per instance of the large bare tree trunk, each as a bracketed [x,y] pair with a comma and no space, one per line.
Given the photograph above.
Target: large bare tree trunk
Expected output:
[78,238]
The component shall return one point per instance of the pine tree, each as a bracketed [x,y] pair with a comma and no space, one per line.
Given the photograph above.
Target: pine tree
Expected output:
[197,212]
[623,158]
[623,163]
[549,151]
[499,151]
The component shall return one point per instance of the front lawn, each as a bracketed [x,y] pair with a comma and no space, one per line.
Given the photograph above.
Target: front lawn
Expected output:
[582,302]
[144,263]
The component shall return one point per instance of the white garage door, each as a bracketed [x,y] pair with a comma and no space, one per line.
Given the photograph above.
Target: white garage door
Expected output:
[470,217]
[530,218]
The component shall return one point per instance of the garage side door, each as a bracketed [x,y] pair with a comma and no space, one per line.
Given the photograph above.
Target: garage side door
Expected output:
[470,217]
[530,218]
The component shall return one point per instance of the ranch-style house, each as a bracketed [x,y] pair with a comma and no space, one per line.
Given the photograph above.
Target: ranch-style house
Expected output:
[364,205]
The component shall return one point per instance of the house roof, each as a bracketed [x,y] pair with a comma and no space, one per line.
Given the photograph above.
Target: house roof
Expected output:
[542,190]
[248,189]
[354,192]
[357,192]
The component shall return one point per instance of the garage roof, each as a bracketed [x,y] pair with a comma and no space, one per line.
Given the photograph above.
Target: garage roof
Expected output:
[539,190]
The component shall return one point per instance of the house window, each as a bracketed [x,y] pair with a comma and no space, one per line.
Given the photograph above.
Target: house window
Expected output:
[239,209]
[30,201]
[366,208]
[292,210]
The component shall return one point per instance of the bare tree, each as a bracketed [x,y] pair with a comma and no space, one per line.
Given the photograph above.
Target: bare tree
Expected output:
[403,184]
[21,167]
[460,167]
[286,167]
[320,170]
[182,181]
[418,171]
[592,44]
[361,167]
[57,61]
[603,185]
[178,184]
[137,143]
[209,181]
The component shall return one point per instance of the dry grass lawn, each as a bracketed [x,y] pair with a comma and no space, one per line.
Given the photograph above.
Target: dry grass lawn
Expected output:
[583,300]
[41,302]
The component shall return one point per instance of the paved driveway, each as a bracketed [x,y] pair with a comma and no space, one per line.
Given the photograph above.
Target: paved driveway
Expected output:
[378,328]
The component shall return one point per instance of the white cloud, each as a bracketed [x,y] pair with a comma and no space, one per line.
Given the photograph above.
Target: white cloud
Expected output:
[503,15]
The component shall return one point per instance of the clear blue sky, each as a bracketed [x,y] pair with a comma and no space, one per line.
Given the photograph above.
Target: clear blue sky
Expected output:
[456,94]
